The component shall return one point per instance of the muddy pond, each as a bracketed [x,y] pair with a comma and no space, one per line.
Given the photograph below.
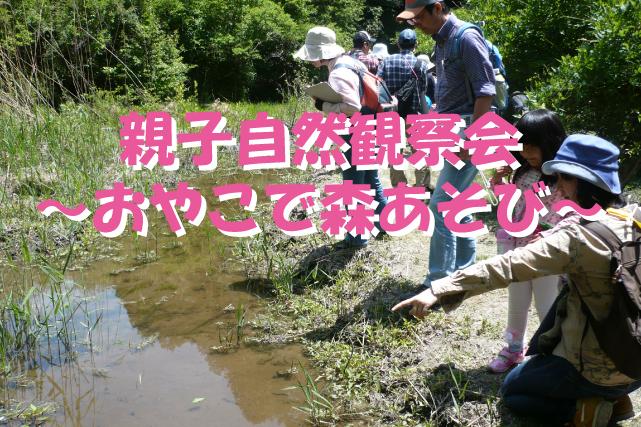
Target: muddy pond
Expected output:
[159,329]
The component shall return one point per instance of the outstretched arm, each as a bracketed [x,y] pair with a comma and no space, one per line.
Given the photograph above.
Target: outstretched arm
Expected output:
[555,254]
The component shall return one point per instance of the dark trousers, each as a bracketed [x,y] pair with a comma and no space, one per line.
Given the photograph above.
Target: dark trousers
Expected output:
[547,387]
[365,177]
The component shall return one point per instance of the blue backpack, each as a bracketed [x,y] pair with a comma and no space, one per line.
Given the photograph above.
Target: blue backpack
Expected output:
[501,100]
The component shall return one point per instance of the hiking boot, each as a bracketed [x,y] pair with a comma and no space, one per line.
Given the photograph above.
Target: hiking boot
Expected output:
[505,360]
[592,412]
[622,409]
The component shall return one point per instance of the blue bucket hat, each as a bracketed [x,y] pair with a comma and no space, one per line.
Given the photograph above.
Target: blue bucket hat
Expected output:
[589,158]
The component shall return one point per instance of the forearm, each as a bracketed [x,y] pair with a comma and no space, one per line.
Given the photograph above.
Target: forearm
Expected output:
[482,105]
[542,258]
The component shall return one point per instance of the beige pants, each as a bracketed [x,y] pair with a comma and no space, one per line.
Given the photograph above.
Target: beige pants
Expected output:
[423,177]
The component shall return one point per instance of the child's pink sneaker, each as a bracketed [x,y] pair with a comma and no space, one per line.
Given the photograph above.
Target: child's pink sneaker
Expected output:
[506,360]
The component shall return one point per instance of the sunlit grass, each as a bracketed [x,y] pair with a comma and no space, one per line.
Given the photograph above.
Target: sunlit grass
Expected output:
[67,155]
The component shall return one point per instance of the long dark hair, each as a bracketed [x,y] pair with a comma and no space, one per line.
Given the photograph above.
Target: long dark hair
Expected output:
[588,194]
[543,129]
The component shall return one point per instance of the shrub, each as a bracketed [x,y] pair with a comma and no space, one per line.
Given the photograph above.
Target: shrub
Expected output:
[599,89]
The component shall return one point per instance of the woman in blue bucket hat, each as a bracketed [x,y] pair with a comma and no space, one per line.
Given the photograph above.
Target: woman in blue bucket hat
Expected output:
[570,380]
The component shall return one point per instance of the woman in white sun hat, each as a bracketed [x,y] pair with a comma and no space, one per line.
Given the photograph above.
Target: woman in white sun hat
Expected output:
[380,51]
[321,50]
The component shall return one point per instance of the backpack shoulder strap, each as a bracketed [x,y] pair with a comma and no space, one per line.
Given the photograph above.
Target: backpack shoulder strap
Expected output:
[459,35]
[349,67]
[612,241]
[416,69]
[496,58]
[417,66]
[358,72]
[457,54]
[604,233]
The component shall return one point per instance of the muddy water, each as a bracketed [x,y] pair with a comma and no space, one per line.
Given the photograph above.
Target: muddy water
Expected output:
[150,354]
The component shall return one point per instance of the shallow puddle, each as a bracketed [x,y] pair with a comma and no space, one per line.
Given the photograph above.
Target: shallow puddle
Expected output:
[148,361]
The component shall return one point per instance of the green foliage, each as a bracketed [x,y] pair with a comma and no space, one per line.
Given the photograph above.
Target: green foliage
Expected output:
[599,88]
[158,49]
[317,407]
[267,38]
[69,49]
[344,16]
[532,36]
[578,58]
[208,32]
[154,57]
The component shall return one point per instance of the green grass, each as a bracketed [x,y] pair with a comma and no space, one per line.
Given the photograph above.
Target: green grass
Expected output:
[26,414]
[370,362]
[67,155]
[374,365]
[318,408]
[39,313]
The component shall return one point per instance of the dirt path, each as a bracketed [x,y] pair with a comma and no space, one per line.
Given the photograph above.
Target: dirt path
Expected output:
[410,256]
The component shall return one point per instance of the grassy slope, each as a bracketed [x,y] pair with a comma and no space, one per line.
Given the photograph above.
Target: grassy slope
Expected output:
[375,366]
[69,154]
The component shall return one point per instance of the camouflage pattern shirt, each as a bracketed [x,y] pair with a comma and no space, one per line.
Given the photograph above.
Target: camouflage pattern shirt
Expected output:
[585,259]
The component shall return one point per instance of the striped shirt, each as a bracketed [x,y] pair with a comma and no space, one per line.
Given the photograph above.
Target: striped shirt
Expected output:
[452,95]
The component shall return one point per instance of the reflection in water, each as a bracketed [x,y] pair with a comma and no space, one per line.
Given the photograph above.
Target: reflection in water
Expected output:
[156,324]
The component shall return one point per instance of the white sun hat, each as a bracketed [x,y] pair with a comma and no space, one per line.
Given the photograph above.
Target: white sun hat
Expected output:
[380,51]
[320,43]
[426,59]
